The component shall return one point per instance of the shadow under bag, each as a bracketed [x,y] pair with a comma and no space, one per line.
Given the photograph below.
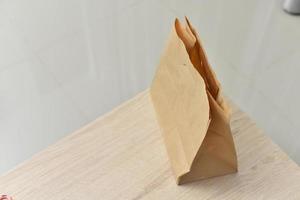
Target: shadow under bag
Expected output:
[193,115]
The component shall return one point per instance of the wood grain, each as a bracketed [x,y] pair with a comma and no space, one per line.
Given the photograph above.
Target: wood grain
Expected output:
[122,156]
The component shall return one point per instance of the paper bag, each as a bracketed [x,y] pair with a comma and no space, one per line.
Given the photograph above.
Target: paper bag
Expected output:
[193,115]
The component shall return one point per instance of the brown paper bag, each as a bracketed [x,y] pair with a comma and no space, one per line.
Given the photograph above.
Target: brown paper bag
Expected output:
[194,117]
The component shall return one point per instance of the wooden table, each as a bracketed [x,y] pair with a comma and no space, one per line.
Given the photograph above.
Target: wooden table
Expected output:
[122,156]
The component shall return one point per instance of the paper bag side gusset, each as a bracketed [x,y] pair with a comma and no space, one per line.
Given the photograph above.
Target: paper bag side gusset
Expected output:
[184,66]
[217,154]
[179,97]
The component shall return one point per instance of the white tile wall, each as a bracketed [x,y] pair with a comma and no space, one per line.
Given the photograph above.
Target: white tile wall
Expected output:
[63,63]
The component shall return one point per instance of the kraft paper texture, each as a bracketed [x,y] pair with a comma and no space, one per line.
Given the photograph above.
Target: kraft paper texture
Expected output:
[193,115]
